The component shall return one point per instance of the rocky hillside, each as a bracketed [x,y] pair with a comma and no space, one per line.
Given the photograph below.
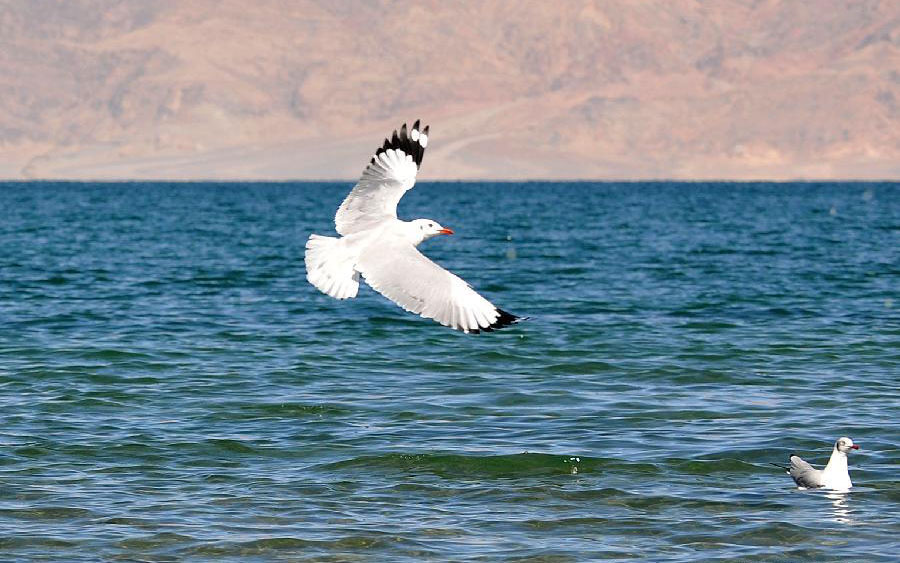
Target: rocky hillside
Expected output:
[567,89]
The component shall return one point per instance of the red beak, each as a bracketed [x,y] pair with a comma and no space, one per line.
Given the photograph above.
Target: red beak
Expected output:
[446,231]
[855,446]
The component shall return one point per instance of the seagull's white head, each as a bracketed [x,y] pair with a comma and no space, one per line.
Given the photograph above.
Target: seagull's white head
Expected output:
[424,229]
[844,445]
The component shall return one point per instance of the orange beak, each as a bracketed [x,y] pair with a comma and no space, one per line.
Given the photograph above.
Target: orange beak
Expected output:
[446,231]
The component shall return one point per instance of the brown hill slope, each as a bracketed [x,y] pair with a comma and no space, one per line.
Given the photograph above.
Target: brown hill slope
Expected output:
[568,89]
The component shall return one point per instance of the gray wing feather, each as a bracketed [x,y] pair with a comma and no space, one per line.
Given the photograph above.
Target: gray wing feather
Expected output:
[804,474]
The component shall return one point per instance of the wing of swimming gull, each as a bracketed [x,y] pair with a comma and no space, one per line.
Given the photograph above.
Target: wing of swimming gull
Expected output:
[804,474]
[389,175]
[397,270]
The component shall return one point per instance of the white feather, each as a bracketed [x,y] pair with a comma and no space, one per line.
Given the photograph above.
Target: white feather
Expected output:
[375,197]
[397,270]
[382,249]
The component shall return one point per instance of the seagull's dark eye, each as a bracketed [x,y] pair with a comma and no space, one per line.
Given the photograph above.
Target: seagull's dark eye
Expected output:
[430,224]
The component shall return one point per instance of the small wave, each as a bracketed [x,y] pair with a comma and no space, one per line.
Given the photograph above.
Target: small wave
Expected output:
[112,354]
[455,465]
[273,545]
[578,368]
[709,466]
[47,513]
[257,411]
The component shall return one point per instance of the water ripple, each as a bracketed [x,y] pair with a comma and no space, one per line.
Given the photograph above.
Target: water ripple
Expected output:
[172,389]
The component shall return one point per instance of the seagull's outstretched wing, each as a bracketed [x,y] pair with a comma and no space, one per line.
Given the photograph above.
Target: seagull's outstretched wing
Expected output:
[804,474]
[390,173]
[405,276]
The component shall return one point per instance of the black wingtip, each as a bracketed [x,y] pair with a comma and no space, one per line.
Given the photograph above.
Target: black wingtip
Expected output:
[504,319]
[403,137]
[409,144]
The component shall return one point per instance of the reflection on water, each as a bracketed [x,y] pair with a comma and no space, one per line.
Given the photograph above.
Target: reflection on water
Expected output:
[840,508]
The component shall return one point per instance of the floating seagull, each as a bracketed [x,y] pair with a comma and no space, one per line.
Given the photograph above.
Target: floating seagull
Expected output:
[835,476]
[382,248]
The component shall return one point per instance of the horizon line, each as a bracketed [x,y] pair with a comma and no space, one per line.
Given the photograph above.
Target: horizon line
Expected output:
[449,180]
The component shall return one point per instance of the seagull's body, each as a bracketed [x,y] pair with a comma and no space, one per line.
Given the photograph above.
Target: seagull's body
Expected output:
[381,248]
[835,476]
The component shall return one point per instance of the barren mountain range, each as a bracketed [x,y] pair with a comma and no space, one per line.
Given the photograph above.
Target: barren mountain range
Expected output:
[278,89]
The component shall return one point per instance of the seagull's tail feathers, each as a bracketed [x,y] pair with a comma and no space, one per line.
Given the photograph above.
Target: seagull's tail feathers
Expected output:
[784,468]
[330,267]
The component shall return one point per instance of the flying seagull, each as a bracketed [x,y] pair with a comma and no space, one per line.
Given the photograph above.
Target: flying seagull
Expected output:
[381,248]
[835,476]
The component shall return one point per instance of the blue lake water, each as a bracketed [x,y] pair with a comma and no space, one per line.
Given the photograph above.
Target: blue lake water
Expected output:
[172,389]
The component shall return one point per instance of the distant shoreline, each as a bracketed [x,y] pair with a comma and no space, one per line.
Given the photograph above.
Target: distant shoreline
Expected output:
[444,181]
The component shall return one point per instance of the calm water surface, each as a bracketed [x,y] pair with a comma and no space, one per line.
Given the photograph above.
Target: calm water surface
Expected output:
[171,388]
